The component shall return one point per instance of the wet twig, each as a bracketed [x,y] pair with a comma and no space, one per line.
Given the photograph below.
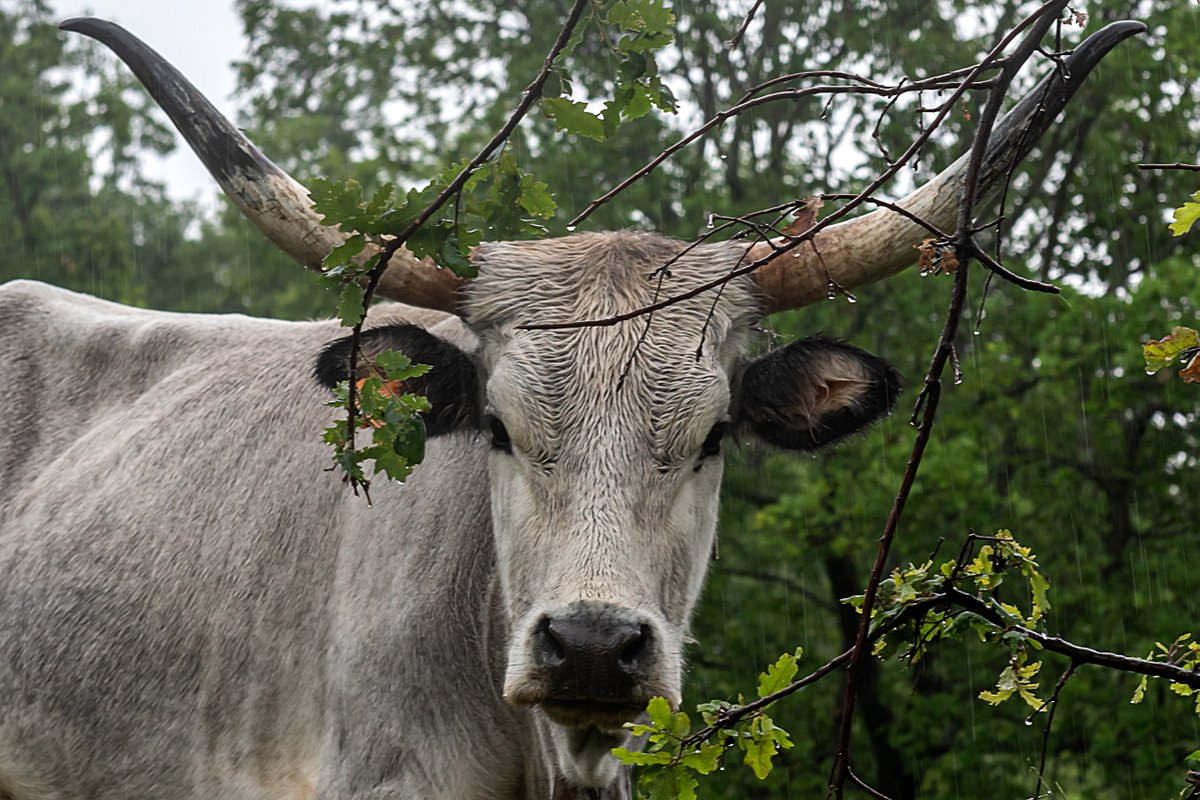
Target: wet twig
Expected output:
[950,597]
[1028,284]
[861,784]
[1077,653]
[753,100]
[737,37]
[1177,165]
[731,715]
[1052,705]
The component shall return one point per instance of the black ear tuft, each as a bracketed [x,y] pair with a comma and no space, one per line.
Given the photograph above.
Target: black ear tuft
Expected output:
[452,386]
[815,392]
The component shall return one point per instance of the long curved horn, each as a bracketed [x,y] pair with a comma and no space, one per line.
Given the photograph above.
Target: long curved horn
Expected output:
[879,244]
[269,197]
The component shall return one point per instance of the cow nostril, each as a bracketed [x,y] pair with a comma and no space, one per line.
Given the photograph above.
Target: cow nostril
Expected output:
[633,652]
[550,648]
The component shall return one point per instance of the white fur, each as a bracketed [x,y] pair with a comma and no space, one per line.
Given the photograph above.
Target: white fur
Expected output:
[194,607]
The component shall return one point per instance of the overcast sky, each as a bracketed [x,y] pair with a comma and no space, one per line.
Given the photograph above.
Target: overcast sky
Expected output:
[201,38]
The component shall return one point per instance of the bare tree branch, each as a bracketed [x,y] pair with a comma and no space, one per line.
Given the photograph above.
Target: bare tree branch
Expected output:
[927,401]
[860,783]
[737,37]
[869,87]
[989,62]
[1052,704]
[1078,653]
[1176,165]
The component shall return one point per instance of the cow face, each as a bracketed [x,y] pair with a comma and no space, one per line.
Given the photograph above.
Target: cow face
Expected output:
[605,457]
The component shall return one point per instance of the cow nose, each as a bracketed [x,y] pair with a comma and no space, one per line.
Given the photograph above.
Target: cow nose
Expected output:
[592,659]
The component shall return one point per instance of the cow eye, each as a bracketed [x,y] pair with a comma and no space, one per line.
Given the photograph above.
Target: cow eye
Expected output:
[500,440]
[712,443]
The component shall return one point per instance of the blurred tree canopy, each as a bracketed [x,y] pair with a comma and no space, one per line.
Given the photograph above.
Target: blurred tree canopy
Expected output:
[1055,431]
[71,181]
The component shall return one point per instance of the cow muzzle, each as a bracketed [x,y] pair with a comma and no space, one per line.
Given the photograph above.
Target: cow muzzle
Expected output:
[588,665]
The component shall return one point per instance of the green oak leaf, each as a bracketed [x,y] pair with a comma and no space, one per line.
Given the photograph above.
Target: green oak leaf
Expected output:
[380,200]
[339,202]
[762,744]
[705,759]
[638,105]
[453,257]
[669,783]
[573,117]
[643,16]
[392,361]
[410,444]
[642,759]
[345,252]
[1164,351]
[660,713]
[350,305]
[1139,694]
[1185,216]
[535,198]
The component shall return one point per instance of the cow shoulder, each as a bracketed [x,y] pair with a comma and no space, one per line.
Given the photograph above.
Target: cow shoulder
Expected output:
[814,392]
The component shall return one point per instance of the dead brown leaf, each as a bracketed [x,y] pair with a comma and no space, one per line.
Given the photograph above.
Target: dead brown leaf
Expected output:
[936,257]
[927,253]
[804,218]
[949,261]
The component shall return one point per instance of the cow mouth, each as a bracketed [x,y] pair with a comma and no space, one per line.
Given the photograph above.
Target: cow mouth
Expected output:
[591,713]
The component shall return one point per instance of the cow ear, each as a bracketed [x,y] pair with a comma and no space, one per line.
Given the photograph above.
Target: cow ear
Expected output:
[452,386]
[814,392]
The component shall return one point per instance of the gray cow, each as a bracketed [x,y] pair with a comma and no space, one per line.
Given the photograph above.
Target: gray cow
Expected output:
[191,607]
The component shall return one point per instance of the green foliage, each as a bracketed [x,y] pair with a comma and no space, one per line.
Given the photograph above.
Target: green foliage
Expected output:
[633,30]
[1182,344]
[574,118]
[779,674]
[1162,353]
[73,205]
[510,203]
[498,196]
[981,574]
[1017,678]
[762,741]
[674,751]
[390,413]
[648,23]
[1181,653]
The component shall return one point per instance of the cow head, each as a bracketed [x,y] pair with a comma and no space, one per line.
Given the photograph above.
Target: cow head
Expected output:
[605,455]
[605,442]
